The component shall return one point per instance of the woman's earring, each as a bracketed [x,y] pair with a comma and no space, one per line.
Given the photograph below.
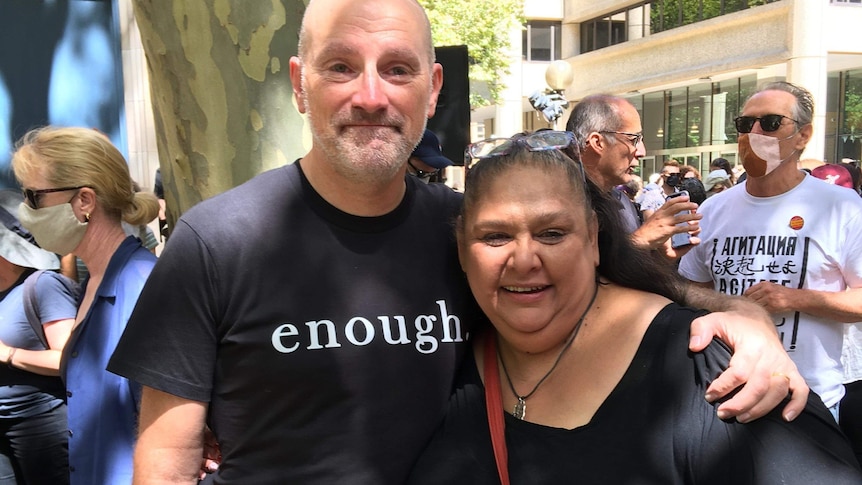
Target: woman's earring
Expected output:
[86,217]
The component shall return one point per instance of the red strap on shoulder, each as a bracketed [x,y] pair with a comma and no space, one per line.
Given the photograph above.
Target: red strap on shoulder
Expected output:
[494,405]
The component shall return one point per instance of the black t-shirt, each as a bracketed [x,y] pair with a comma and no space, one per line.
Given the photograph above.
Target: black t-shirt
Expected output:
[326,344]
[654,428]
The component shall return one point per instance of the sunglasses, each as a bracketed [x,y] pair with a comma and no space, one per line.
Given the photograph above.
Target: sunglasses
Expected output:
[768,123]
[32,196]
[422,174]
[535,142]
[633,138]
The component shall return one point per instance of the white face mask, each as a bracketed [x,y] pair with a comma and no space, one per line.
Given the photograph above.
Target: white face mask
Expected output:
[55,228]
[761,154]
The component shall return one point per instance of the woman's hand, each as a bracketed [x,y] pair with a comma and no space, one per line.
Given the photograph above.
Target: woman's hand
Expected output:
[212,453]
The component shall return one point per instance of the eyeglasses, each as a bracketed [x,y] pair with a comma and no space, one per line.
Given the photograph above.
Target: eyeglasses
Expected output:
[768,123]
[633,138]
[32,196]
[422,174]
[536,142]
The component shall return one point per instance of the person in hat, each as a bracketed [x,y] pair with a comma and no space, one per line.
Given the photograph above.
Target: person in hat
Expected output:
[427,159]
[33,430]
[834,174]
[716,181]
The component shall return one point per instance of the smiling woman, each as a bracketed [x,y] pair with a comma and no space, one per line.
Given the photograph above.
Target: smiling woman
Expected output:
[586,347]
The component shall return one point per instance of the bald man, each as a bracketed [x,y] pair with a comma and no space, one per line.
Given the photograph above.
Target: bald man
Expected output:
[292,314]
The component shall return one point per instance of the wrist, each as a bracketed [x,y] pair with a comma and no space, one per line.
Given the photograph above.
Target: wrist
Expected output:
[10,356]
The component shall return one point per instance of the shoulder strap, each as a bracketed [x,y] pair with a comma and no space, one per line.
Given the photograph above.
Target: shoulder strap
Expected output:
[31,309]
[494,405]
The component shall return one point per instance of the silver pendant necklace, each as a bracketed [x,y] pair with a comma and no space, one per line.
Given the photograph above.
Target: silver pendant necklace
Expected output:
[520,410]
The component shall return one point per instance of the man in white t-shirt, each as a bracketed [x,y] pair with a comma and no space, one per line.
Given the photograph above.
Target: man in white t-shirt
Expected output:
[785,239]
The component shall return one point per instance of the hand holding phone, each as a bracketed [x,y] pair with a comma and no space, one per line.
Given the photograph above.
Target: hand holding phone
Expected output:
[684,238]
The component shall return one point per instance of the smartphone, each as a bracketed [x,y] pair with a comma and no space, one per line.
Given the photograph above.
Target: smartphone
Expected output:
[682,239]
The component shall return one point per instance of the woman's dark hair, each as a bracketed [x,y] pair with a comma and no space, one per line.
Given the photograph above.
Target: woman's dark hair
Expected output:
[620,262]
[723,164]
[696,190]
[855,173]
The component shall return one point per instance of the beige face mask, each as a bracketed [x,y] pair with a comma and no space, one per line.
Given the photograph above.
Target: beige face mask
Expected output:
[761,154]
[55,228]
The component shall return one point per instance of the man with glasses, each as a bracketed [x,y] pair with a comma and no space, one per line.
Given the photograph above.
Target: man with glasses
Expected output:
[786,240]
[608,130]
[427,161]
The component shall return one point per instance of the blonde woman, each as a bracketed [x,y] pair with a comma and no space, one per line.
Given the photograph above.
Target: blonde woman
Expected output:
[78,192]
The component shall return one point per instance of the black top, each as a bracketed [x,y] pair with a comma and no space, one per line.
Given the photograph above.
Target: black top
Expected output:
[654,428]
[325,343]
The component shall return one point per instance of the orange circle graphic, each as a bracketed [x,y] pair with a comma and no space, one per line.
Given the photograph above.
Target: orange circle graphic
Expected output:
[796,223]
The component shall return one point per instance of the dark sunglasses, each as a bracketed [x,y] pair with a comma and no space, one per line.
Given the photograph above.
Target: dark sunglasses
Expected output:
[32,196]
[422,174]
[768,123]
[633,138]
[535,142]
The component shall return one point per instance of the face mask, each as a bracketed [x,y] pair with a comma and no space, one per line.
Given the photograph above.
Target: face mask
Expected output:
[672,180]
[761,154]
[55,228]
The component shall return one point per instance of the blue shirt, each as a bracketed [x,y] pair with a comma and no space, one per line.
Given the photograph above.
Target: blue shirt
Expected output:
[24,394]
[103,407]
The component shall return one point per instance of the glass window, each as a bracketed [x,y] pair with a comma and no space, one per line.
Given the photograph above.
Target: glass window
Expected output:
[699,114]
[541,41]
[833,88]
[653,121]
[730,90]
[850,135]
[677,118]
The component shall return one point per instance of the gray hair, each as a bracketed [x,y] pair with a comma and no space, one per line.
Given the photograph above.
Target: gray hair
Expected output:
[597,112]
[803,111]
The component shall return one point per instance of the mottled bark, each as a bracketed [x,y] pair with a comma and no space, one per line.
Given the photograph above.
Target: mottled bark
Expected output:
[221,92]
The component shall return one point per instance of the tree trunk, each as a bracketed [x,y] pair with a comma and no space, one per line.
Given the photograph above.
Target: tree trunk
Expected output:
[222,99]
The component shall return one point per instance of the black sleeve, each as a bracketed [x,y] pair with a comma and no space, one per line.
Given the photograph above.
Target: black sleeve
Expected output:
[171,338]
[811,449]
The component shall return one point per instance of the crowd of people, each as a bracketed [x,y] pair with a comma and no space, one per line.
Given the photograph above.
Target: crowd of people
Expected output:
[343,320]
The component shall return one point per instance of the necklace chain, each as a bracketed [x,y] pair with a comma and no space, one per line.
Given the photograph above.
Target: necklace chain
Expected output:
[520,410]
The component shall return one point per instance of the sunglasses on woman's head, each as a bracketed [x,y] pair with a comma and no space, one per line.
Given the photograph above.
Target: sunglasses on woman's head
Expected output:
[534,142]
[768,123]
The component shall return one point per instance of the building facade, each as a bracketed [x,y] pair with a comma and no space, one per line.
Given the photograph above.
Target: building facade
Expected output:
[689,65]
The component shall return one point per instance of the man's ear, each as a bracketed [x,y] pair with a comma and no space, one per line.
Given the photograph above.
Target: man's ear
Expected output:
[296,81]
[436,86]
[806,131]
[596,141]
